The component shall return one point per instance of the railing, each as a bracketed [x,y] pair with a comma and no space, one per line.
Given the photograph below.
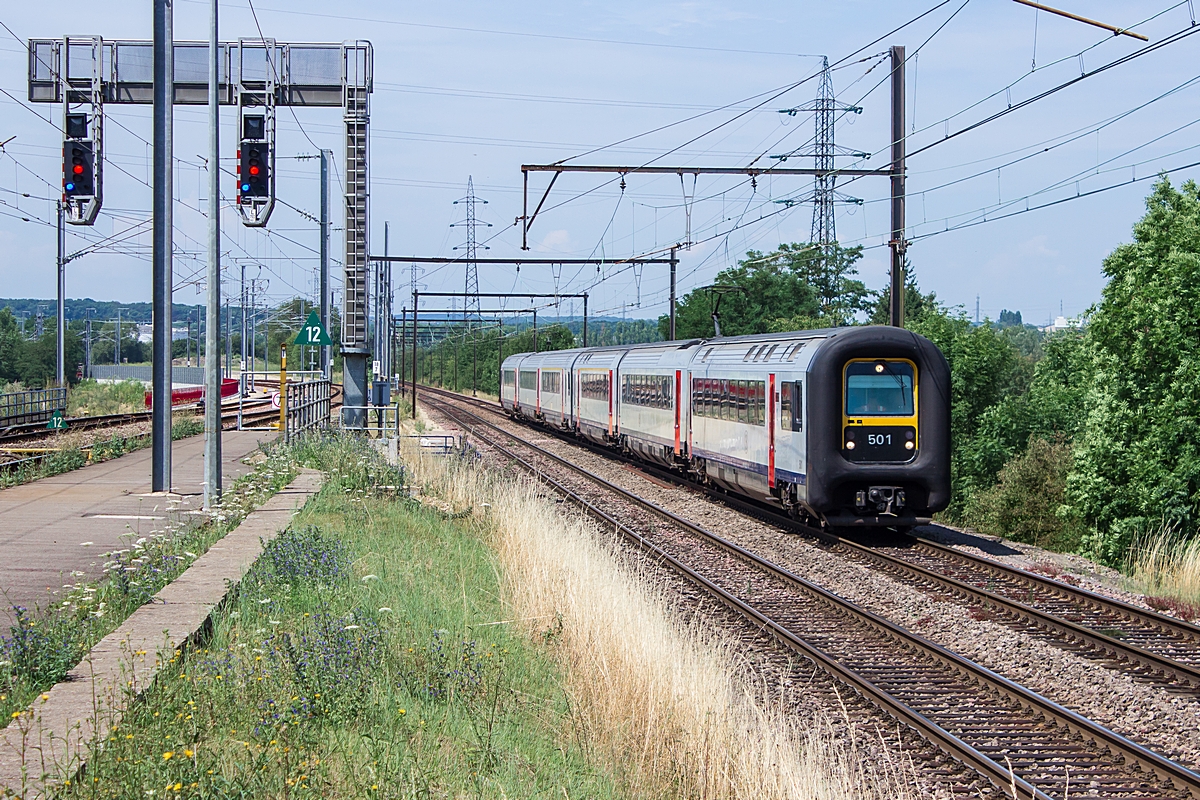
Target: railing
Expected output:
[144,373]
[308,405]
[29,407]
[382,421]
[441,444]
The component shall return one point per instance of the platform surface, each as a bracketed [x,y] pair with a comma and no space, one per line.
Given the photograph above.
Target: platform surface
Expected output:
[45,525]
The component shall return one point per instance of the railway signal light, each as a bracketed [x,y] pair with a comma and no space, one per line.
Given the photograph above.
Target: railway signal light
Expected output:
[254,171]
[79,178]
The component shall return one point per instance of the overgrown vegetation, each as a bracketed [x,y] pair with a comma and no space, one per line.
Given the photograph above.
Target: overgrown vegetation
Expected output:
[367,654]
[90,398]
[73,456]
[45,643]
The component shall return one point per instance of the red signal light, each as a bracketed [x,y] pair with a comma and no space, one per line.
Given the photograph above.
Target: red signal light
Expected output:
[254,170]
[78,169]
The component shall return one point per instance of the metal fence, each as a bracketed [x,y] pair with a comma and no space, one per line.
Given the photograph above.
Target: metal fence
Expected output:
[308,406]
[26,408]
[380,421]
[142,372]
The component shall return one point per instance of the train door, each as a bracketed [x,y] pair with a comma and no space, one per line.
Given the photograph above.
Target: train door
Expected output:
[788,442]
[678,407]
[772,402]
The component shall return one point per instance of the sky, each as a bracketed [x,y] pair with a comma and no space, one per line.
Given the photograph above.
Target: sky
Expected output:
[473,90]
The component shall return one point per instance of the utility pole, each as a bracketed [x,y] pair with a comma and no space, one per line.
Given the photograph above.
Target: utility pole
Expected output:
[60,370]
[416,297]
[674,268]
[585,317]
[326,352]
[212,331]
[242,366]
[228,340]
[163,90]
[87,344]
[403,351]
[897,243]
[117,341]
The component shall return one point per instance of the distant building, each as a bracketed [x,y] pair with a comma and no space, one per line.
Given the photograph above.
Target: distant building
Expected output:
[1061,323]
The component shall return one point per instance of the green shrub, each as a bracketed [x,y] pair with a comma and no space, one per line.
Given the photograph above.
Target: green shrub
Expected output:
[1028,503]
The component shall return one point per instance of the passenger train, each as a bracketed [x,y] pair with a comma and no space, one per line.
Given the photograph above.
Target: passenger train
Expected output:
[846,427]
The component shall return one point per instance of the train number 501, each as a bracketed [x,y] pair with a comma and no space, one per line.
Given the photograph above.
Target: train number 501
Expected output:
[879,438]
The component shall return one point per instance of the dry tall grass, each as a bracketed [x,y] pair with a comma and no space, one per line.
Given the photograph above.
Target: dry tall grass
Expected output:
[1166,568]
[659,704]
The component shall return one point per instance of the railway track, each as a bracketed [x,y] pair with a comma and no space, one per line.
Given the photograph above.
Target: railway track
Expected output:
[1022,743]
[1151,647]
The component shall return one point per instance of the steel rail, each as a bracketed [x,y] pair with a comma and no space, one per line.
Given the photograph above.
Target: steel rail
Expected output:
[1161,668]
[1181,777]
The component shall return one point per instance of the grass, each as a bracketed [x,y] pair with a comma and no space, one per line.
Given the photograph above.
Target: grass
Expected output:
[367,654]
[91,398]
[672,711]
[441,631]
[72,455]
[46,643]
[1165,567]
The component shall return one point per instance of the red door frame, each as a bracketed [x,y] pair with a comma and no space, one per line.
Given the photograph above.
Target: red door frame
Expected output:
[771,401]
[610,402]
[678,408]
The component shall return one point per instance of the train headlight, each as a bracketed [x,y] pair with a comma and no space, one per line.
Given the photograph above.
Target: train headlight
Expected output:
[849,445]
[908,445]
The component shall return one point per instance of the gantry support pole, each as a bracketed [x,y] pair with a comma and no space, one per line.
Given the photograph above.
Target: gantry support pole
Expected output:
[212,312]
[898,245]
[164,80]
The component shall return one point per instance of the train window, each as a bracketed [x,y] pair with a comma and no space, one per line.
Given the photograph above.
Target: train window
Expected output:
[879,388]
[796,351]
[593,385]
[551,381]
[510,377]
[707,353]
[529,380]
[770,352]
[785,406]
[749,353]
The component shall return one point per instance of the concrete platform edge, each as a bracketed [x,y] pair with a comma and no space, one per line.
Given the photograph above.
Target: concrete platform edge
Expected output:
[51,739]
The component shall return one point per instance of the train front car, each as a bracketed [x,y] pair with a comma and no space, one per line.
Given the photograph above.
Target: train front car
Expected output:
[878,429]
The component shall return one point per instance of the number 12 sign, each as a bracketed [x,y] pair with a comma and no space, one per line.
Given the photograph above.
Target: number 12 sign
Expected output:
[313,332]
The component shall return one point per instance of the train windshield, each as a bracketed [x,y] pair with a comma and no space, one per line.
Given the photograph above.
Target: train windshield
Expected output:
[879,388]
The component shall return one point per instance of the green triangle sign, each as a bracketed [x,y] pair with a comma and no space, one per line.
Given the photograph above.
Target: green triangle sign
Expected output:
[313,332]
[56,423]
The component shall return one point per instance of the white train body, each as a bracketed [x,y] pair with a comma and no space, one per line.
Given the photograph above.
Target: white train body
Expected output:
[737,413]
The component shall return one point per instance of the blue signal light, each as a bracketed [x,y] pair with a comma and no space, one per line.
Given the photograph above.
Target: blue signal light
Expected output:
[70,187]
[245,187]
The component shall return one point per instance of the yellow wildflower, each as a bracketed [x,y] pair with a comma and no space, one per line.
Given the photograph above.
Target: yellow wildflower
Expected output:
[168,755]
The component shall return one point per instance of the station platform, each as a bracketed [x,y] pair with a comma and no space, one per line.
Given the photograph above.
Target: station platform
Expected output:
[44,525]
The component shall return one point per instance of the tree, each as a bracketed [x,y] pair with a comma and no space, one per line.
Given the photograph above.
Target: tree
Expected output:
[1009,318]
[916,304]
[828,270]
[769,289]
[1137,463]
[981,361]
